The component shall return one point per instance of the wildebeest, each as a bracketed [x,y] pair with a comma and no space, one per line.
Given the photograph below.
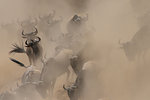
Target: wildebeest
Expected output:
[85,54]
[138,45]
[76,33]
[77,63]
[77,24]
[30,75]
[33,77]
[54,67]
[33,48]
[87,85]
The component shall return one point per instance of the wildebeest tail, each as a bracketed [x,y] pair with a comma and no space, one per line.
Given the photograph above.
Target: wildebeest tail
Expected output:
[17,62]
[17,49]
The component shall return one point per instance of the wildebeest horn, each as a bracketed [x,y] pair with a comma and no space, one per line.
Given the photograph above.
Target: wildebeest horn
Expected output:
[39,39]
[28,45]
[65,88]
[26,42]
[35,32]
[23,35]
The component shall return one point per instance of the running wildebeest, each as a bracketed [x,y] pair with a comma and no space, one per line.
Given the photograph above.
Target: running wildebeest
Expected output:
[55,67]
[87,85]
[138,45]
[85,54]
[76,34]
[30,75]
[77,24]
[33,48]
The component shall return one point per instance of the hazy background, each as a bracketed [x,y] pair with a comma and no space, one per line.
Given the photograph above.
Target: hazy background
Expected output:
[111,20]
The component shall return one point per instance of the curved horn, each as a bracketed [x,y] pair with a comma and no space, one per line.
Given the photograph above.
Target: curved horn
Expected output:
[26,42]
[39,39]
[30,44]
[65,88]
[23,35]
[35,32]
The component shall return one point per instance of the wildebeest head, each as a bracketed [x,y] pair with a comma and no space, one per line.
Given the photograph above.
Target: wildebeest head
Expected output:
[76,18]
[129,49]
[72,92]
[34,50]
[79,19]
[32,39]
[77,24]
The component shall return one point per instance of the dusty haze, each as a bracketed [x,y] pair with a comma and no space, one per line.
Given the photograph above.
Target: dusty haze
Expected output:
[109,20]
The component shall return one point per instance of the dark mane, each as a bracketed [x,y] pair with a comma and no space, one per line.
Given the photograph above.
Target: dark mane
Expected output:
[36,50]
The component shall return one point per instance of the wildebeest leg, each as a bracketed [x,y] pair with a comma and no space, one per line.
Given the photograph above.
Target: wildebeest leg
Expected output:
[51,88]
[25,77]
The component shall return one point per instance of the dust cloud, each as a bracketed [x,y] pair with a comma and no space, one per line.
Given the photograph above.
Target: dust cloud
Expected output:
[109,20]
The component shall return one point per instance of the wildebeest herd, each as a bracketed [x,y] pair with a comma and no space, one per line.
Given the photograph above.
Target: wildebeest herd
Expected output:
[39,79]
